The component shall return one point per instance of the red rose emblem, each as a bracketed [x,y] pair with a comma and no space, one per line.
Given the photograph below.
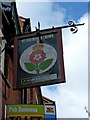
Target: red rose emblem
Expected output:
[37,57]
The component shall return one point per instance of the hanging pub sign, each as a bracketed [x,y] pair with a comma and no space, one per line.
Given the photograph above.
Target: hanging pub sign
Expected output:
[38,59]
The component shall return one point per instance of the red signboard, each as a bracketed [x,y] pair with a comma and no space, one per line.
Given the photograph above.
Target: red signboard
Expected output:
[38,59]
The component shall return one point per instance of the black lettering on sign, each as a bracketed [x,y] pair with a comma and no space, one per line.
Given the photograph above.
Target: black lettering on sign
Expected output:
[12,118]
[25,118]
[18,118]
[35,118]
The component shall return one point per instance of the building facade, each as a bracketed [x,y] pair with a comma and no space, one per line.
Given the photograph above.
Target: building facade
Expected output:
[13,25]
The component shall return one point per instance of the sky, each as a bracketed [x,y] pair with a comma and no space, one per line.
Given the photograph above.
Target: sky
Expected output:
[70,97]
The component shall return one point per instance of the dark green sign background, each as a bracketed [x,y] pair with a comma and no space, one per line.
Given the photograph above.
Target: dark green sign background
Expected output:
[52,40]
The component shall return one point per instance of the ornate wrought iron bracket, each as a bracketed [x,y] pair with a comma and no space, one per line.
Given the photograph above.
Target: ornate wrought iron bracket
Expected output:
[73,28]
[71,25]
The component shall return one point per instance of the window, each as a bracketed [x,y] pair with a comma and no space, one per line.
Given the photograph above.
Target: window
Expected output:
[3,56]
[0,47]
[0,56]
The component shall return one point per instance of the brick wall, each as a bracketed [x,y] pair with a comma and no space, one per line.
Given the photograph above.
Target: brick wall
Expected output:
[0,97]
[13,96]
[9,96]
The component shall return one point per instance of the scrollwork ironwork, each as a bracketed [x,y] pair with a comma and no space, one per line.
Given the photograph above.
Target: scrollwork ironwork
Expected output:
[73,28]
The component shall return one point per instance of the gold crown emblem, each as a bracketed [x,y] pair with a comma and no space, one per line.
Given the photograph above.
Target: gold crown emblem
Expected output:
[38,47]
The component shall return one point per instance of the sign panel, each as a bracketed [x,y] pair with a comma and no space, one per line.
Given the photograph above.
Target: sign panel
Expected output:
[25,112]
[38,60]
[50,112]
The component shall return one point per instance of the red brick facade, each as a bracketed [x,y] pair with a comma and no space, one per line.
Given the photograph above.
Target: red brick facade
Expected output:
[7,94]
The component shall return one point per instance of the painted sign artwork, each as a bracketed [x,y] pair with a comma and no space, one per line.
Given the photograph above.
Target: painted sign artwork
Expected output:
[38,58]
[38,63]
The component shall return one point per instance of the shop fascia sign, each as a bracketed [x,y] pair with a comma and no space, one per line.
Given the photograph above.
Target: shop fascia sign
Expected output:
[31,112]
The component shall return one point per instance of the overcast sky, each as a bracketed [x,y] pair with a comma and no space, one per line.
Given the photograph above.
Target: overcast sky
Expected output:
[70,97]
